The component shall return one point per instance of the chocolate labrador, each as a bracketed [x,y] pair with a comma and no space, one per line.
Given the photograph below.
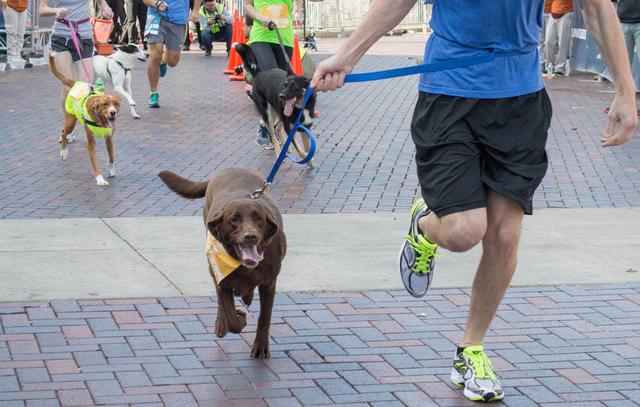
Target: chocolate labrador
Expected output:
[251,232]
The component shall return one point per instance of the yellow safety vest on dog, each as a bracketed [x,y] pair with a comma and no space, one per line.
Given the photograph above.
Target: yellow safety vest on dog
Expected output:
[76,104]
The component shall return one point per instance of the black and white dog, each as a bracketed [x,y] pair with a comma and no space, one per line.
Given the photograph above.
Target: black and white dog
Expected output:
[277,94]
[116,71]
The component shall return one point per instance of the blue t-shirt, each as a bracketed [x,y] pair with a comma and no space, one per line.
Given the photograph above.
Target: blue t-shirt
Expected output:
[177,12]
[463,28]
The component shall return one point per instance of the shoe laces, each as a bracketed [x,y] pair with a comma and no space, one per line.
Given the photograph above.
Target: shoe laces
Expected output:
[425,252]
[480,362]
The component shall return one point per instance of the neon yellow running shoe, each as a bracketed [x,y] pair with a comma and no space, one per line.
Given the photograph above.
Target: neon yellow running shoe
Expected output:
[472,369]
[417,256]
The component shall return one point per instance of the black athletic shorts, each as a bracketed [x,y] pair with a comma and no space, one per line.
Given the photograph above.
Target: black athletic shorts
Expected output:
[464,146]
[61,44]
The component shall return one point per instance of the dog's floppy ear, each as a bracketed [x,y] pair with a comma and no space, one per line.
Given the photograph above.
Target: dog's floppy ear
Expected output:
[272,228]
[213,223]
[128,48]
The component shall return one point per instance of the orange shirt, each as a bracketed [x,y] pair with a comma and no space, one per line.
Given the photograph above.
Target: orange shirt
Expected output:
[18,5]
[562,6]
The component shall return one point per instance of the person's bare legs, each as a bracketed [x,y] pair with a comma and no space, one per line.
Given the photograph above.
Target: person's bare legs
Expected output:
[157,55]
[497,265]
[78,71]
[153,66]
[64,63]
[171,58]
[498,227]
[457,232]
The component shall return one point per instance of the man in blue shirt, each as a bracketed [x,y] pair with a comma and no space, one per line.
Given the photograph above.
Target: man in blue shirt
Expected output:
[480,135]
[165,32]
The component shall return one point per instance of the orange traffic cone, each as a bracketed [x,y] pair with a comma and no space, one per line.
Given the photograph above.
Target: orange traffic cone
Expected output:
[296,61]
[236,36]
[240,38]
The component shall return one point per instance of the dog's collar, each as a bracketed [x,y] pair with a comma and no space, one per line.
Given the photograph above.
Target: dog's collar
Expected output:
[126,70]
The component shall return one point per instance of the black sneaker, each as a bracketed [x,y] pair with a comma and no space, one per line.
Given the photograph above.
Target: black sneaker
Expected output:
[263,138]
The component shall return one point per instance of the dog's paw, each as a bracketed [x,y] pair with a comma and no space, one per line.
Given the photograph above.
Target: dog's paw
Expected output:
[112,170]
[241,322]
[101,182]
[221,327]
[133,112]
[64,154]
[260,349]
[247,298]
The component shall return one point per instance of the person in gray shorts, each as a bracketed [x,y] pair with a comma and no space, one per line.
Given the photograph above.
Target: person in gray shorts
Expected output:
[165,30]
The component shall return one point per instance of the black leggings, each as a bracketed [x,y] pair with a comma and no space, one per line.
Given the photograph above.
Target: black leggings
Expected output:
[270,55]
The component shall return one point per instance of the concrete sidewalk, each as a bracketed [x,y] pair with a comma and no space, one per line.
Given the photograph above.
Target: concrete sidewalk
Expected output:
[163,256]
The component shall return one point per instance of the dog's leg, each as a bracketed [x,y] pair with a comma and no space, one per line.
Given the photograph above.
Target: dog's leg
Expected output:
[229,319]
[124,89]
[260,348]
[91,149]
[275,140]
[69,124]
[111,166]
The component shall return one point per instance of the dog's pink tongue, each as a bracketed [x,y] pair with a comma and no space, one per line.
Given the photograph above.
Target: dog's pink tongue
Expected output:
[250,254]
[288,107]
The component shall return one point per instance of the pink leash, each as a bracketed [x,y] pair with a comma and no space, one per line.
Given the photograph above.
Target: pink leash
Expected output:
[76,43]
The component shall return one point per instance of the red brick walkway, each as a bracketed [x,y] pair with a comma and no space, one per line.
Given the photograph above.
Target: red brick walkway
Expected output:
[552,346]
[365,159]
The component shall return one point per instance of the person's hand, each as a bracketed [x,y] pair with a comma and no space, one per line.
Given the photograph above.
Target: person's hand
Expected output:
[330,73]
[62,12]
[623,120]
[211,21]
[264,21]
[106,12]
[162,6]
[193,16]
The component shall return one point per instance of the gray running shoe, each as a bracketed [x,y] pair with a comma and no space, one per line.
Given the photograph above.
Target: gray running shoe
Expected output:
[417,256]
[472,369]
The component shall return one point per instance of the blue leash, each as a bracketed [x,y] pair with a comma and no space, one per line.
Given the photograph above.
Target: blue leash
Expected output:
[366,77]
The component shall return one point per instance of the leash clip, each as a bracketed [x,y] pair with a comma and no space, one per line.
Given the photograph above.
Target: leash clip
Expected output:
[259,192]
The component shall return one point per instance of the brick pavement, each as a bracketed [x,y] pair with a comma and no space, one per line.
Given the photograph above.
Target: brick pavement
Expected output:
[553,346]
[364,162]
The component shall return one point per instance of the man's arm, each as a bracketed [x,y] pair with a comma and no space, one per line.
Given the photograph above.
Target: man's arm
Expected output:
[382,17]
[602,21]
[195,12]
[251,11]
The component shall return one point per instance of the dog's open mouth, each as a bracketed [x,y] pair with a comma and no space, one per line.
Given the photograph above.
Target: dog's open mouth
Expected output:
[250,255]
[288,106]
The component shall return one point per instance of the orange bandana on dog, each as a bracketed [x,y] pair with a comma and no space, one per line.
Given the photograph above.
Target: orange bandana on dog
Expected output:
[221,263]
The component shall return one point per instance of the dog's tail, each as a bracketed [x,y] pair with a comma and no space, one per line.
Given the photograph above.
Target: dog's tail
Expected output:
[54,70]
[249,60]
[182,186]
